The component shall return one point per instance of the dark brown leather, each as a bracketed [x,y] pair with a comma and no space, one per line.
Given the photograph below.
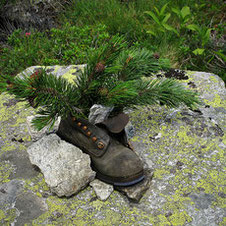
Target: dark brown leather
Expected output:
[80,138]
[114,162]
[116,124]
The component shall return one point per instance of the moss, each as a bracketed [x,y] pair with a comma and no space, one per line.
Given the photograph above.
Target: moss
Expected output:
[179,144]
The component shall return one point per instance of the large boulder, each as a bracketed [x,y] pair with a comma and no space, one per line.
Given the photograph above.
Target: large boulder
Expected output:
[184,148]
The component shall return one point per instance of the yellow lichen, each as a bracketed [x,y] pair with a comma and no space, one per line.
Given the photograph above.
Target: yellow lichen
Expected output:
[2,214]
[5,171]
[179,218]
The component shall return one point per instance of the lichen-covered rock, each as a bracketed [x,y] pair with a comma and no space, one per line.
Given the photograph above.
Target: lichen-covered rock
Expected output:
[102,190]
[184,148]
[67,72]
[65,167]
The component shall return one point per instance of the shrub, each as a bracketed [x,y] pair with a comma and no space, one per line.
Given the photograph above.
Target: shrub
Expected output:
[66,45]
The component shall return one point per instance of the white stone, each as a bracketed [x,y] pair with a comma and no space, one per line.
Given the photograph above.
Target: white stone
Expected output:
[102,190]
[65,167]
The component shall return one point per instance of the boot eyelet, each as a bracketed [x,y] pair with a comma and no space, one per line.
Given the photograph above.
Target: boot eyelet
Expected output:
[94,139]
[79,124]
[84,128]
[100,145]
[73,119]
[88,133]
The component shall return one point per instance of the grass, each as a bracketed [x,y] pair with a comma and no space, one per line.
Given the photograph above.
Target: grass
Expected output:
[196,41]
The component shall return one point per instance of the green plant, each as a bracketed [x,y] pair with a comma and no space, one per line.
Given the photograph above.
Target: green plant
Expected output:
[160,18]
[202,33]
[68,45]
[113,77]
[125,19]
[185,16]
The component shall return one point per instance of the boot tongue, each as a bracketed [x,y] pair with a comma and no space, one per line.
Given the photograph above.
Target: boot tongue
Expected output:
[117,123]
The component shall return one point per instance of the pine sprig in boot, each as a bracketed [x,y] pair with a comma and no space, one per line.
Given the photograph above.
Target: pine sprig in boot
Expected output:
[116,76]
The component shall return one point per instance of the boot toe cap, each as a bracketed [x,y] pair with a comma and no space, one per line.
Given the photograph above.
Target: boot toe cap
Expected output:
[121,165]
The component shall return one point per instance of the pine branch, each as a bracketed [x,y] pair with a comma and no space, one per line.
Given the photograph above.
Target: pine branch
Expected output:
[134,63]
[168,92]
[113,77]
[55,96]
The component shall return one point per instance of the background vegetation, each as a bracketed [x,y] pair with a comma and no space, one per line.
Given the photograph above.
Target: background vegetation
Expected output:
[190,33]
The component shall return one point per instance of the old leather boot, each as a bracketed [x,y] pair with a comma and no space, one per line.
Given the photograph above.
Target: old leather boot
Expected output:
[113,162]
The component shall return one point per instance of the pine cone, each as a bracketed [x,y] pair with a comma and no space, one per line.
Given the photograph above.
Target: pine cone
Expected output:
[99,67]
[156,55]
[103,91]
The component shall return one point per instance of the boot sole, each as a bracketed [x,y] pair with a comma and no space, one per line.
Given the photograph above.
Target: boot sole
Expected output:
[119,181]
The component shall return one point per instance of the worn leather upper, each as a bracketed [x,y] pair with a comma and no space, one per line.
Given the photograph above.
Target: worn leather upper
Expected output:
[113,160]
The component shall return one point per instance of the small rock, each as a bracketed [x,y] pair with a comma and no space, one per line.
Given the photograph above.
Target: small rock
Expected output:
[35,134]
[135,192]
[102,190]
[99,113]
[130,130]
[65,167]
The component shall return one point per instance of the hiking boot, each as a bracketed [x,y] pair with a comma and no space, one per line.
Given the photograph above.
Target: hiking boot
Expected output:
[112,160]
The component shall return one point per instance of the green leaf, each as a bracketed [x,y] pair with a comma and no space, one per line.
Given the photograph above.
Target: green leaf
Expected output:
[152,33]
[156,10]
[169,28]
[153,17]
[162,11]
[220,55]
[185,11]
[207,34]
[166,17]
[198,51]
[193,27]
[177,11]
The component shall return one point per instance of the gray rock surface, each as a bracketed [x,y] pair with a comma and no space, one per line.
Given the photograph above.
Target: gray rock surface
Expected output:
[65,167]
[29,206]
[9,192]
[102,190]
